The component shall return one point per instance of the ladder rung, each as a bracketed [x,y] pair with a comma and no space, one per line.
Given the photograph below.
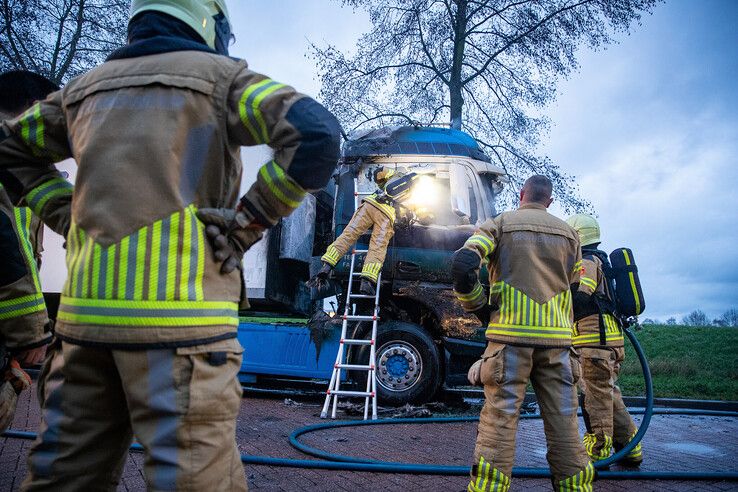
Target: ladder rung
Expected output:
[350,393]
[357,193]
[357,341]
[360,318]
[360,251]
[361,296]
[357,367]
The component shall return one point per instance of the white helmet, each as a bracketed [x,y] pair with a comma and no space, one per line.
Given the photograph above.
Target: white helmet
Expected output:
[587,228]
[209,18]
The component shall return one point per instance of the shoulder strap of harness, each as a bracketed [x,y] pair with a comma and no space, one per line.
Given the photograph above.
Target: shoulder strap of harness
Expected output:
[605,303]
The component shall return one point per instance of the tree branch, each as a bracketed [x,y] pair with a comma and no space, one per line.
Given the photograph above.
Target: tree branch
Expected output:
[385,115]
[425,49]
[522,35]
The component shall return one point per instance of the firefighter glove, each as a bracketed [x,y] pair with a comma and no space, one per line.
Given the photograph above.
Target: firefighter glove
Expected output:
[230,233]
[475,373]
[320,279]
[464,266]
[14,380]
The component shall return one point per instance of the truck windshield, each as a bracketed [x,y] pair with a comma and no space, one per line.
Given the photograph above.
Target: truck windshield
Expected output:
[445,194]
[492,186]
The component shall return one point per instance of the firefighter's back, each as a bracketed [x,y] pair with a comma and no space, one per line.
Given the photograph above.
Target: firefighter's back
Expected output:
[151,145]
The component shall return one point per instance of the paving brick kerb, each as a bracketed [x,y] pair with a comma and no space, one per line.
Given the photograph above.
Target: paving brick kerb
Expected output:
[673,443]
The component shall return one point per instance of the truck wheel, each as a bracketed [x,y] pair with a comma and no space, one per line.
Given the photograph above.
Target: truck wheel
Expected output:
[408,364]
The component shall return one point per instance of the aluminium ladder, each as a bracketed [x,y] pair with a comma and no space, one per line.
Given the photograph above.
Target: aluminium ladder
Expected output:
[350,315]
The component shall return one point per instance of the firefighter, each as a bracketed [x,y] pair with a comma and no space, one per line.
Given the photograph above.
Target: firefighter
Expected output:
[598,336]
[378,212]
[534,262]
[24,322]
[149,312]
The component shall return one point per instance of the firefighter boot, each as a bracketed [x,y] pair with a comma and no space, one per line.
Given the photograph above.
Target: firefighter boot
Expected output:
[367,287]
[632,459]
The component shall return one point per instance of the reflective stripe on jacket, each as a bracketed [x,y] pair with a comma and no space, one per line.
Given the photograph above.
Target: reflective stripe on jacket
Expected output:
[386,209]
[532,258]
[401,186]
[587,330]
[156,137]
[22,309]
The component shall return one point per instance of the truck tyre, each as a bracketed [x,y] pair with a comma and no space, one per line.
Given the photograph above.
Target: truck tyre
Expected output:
[408,364]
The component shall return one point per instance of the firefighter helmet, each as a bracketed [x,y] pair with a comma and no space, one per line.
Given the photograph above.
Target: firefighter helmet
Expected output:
[19,89]
[383,174]
[209,18]
[587,228]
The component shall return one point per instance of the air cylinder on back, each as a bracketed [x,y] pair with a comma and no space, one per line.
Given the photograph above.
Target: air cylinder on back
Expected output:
[628,292]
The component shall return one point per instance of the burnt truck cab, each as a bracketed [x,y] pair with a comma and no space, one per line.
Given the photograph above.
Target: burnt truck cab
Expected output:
[424,339]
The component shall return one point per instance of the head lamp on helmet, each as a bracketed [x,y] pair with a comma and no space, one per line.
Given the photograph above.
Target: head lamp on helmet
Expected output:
[209,18]
[587,228]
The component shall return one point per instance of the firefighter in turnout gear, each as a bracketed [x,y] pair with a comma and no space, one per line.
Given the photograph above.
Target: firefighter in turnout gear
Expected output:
[534,263]
[149,313]
[598,336]
[24,321]
[378,213]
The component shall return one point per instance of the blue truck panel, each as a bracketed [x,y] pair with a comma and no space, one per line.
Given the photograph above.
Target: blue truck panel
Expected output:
[285,350]
[416,141]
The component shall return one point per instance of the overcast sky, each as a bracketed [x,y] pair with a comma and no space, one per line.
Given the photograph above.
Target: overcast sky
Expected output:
[649,127]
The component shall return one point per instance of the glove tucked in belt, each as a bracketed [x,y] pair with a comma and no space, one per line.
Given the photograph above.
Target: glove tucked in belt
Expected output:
[231,234]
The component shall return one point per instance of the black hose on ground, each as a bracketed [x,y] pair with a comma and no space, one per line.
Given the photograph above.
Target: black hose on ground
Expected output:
[603,464]
[351,463]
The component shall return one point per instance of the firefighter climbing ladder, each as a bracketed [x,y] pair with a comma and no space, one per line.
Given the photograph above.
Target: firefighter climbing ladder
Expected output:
[350,316]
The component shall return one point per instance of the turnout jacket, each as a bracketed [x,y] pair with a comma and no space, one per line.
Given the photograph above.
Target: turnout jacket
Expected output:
[156,137]
[387,209]
[23,315]
[386,201]
[587,330]
[532,258]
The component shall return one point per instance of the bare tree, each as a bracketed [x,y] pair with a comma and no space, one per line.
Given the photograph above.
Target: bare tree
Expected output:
[60,38]
[485,66]
[696,318]
[729,317]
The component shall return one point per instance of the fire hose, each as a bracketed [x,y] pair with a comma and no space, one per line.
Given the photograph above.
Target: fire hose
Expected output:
[334,461]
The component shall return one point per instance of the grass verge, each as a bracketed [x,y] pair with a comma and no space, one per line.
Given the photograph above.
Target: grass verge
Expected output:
[685,361]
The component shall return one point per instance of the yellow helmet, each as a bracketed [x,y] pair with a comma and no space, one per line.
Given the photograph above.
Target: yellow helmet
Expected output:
[209,18]
[383,175]
[587,228]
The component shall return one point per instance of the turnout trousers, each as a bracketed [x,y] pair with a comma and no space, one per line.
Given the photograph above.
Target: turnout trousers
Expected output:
[179,403]
[605,415]
[505,372]
[366,216]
